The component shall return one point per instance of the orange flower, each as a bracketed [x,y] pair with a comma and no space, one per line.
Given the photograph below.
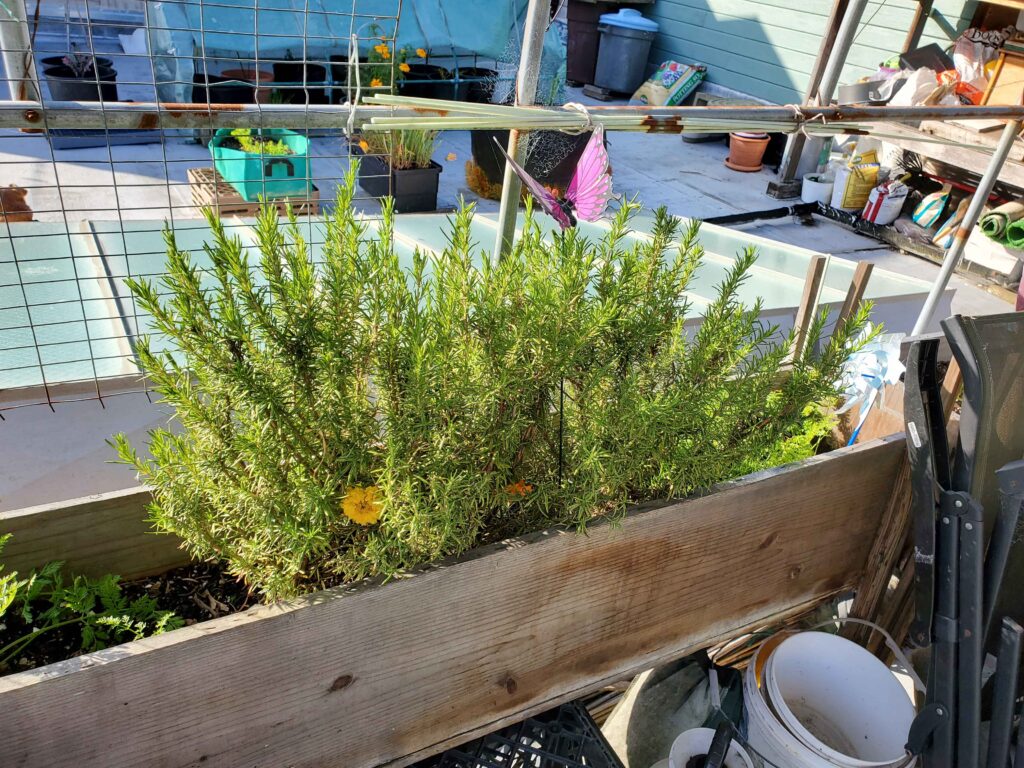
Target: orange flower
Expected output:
[361,506]
[421,53]
[519,488]
[383,50]
[376,83]
[404,67]
[364,146]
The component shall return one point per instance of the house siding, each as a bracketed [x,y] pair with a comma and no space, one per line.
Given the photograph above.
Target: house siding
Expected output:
[767,48]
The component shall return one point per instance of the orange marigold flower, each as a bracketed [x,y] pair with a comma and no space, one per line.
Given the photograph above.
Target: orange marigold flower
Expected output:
[376,83]
[404,67]
[364,146]
[361,505]
[421,53]
[383,50]
[518,488]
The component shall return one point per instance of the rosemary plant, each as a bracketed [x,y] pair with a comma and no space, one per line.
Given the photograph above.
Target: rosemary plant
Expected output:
[359,415]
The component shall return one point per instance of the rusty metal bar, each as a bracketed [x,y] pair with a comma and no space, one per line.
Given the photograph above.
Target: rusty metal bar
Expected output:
[963,231]
[151,115]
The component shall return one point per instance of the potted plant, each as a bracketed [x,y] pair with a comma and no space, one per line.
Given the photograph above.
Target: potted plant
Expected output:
[399,164]
[80,77]
[259,81]
[551,159]
[348,411]
[270,163]
[295,78]
[485,172]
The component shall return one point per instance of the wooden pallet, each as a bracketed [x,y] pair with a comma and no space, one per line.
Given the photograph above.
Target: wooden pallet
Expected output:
[209,190]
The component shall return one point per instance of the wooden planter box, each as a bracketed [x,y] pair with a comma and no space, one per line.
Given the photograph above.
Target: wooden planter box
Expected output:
[386,674]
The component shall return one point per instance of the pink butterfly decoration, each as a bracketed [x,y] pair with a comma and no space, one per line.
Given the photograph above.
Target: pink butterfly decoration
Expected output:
[589,191]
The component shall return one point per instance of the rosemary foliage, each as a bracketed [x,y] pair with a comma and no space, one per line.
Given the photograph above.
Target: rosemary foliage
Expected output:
[359,414]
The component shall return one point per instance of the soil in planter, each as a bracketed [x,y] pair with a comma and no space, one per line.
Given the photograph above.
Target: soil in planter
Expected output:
[196,592]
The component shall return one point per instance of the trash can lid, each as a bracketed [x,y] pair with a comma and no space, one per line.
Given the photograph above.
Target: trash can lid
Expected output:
[629,18]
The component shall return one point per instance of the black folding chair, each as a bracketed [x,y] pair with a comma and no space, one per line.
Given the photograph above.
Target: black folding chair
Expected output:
[955,505]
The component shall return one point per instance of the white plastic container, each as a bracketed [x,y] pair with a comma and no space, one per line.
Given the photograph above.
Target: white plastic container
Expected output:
[817,188]
[697,741]
[825,702]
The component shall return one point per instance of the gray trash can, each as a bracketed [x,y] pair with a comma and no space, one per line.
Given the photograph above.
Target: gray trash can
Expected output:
[626,39]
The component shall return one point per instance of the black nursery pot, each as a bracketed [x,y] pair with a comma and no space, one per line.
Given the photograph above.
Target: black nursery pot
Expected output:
[414,189]
[289,77]
[65,85]
[339,77]
[58,61]
[214,89]
[480,87]
[490,160]
[427,81]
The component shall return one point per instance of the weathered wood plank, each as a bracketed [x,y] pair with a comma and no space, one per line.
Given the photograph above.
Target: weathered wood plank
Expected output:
[106,533]
[384,674]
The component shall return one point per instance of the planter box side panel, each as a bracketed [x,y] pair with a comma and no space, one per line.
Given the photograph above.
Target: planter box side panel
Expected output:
[386,675]
[106,533]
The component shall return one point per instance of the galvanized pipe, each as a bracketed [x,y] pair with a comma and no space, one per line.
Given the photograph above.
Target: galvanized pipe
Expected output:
[16,41]
[955,251]
[526,93]
[844,39]
[795,145]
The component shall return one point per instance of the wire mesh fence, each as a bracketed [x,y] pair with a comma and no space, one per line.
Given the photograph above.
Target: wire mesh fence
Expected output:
[135,98]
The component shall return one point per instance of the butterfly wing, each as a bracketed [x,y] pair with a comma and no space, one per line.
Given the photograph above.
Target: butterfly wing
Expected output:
[547,201]
[591,185]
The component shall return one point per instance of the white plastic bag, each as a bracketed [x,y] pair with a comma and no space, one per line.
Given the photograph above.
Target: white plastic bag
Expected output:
[919,85]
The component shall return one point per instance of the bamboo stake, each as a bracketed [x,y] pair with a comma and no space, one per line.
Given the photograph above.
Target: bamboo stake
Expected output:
[526,92]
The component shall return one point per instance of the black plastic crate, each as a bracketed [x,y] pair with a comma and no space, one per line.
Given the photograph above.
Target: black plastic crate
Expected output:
[564,737]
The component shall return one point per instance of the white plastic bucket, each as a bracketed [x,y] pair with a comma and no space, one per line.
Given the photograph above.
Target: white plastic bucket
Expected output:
[825,702]
[697,741]
[816,188]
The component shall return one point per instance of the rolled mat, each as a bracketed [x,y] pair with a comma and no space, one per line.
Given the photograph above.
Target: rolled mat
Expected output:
[1014,237]
[997,222]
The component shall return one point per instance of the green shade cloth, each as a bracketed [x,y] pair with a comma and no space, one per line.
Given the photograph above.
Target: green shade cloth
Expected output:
[1004,224]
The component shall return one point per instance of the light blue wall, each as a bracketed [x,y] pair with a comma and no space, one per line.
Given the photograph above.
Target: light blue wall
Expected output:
[766,48]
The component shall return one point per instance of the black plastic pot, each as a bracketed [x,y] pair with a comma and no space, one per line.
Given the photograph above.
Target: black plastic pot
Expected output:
[58,61]
[214,89]
[339,77]
[289,77]
[414,189]
[490,160]
[65,85]
[427,81]
[479,86]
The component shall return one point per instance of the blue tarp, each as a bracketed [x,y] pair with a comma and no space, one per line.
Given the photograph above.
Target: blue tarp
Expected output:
[182,30]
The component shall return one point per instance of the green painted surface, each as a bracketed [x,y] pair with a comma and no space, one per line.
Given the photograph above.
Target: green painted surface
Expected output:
[767,48]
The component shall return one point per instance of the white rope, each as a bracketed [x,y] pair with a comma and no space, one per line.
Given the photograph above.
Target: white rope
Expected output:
[575,106]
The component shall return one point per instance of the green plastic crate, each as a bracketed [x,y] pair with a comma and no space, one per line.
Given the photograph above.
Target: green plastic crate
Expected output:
[268,176]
